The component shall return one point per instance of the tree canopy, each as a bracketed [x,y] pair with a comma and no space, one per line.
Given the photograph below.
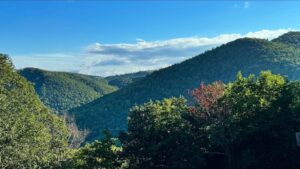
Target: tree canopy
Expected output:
[31,136]
[248,123]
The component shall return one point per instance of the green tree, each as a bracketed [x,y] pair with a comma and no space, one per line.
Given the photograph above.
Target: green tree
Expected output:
[251,124]
[262,123]
[31,136]
[102,154]
[160,137]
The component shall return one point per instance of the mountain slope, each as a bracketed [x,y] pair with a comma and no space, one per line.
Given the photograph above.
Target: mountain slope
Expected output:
[121,81]
[62,91]
[222,63]
[290,38]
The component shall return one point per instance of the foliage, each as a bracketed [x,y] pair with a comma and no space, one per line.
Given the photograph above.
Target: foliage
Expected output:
[290,38]
[31,136]
[207,97]
[159,137]
[262,123]
[248,123]
[102,154]
[221,63]
[259,126]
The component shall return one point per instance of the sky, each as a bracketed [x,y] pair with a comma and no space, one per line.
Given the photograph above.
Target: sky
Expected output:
[115,37]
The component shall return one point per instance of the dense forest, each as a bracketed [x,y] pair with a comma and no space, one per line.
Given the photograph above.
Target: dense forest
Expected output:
[290,38]
[63,91]
[125,79]
[247,123]
[222,63]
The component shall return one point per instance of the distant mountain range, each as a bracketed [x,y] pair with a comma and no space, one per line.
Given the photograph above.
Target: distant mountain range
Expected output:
[281,56]
[100,103]
[62,91]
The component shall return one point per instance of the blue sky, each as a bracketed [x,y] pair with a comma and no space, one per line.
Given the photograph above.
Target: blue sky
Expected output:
[105,38]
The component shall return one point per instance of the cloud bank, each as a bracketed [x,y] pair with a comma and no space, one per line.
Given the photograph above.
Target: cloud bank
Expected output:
[109,59]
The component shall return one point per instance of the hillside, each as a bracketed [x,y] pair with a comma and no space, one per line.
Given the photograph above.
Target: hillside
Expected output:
[123,80]
[290,38]
[62,91]
[221,63]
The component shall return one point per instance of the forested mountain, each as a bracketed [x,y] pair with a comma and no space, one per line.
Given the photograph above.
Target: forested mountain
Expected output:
[125,79]
[290,38]
[222,63]
[62,91]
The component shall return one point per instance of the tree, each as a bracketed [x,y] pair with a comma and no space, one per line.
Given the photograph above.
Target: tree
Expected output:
[31,136]
[262,124]
[102,154]
[76,136]
[159,137]
[209,116]
[252,122]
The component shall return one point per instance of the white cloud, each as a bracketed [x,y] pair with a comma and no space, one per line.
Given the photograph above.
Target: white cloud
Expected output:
[120,58]
[267,34]
[108,59]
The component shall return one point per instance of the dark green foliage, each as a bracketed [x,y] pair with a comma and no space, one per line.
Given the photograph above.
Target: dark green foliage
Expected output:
[290,38]
[249,124]
[31,136]
[102,154]
[259,129]
[62,91]
[124,80]
[159,137]
[222,63]
[267,138]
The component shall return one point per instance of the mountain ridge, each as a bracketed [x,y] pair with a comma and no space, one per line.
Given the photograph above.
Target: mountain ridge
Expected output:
[123,80]
[249,55]
[64,90]
[53,86]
